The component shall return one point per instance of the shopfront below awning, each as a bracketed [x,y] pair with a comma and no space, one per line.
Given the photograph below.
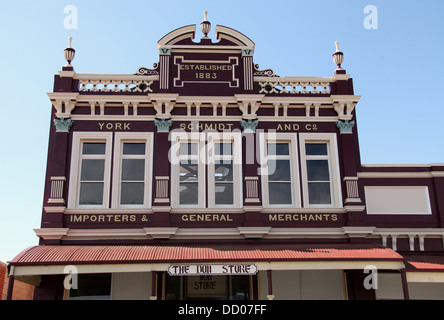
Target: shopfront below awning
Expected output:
[50,260]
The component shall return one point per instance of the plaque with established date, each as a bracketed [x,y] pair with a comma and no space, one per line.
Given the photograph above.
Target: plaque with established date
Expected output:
[206,71]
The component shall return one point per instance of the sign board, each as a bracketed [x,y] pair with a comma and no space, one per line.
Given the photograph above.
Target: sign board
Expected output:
[211,269]
[206,286]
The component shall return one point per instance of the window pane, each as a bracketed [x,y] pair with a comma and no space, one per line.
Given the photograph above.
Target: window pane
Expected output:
[279,193]
[132,193]
[93,148]
[317,170]
[319,193]
[188,193]
[134,148]
[188,149]
[223,149]
[280,149]
[224,193]
[316,149]
[92,287]
[91,193]
[133,169]
[92,170]
[279,170]
[188,171]
[223,171]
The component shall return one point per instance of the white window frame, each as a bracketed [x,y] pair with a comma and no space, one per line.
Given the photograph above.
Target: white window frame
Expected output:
[206,181]
[133,137]
[176,139]
[291,139]
[235,138]
[333,166]
[74,181]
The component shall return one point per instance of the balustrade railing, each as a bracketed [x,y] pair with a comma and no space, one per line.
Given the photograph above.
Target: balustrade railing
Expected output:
[115,83]
[303,86]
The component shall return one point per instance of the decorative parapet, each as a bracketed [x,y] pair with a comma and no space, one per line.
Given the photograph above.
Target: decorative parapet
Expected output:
[249,125]
[346,126]
[163,125]
[62,124]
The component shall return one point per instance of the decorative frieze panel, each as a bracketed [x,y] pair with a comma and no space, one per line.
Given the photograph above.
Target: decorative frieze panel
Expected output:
[162,189]
[57,185]
[351,184]
[251,190]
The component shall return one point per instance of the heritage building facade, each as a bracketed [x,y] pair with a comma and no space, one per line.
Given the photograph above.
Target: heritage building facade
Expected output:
[206,177]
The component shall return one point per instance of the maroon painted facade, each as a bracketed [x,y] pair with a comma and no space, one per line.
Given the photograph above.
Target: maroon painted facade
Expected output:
[216,87]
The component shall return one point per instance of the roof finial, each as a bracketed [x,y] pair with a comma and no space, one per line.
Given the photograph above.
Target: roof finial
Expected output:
[69,53]
[205,26]
[338,58]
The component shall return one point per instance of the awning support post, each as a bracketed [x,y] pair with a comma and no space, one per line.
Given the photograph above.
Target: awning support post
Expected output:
[405,287]
[270,295]
[153,285]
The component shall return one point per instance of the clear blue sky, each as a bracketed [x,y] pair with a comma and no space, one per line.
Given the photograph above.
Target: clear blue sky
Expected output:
[397,68]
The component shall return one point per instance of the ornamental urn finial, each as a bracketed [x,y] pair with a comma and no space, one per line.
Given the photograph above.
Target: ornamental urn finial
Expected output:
[69,53]
[205,26]
[338,56]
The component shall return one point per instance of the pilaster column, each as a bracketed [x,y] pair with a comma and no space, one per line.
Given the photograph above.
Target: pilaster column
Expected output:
[164,68]
[247,61]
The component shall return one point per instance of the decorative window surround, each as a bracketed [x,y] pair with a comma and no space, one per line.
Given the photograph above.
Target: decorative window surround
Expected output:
[74,186]
[203,159]
[135,137]
[276,138]
[333,165]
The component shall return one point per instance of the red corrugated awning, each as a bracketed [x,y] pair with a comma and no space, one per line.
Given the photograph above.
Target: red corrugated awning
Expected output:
[185,253]
[424,263]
